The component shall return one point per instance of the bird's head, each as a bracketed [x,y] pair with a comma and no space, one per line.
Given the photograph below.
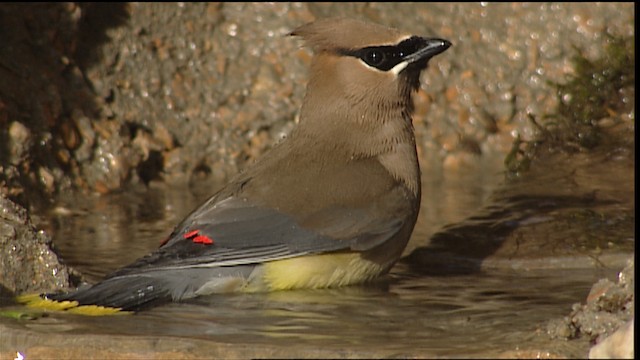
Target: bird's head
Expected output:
[362,73]
[358,103]
[364,62]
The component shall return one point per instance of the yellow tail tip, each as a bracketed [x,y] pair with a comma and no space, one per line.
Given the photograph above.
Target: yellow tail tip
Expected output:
[97,310]
[38,302]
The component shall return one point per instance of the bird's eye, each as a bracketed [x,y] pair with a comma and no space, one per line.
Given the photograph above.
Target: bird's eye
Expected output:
[383,58]
[374,57]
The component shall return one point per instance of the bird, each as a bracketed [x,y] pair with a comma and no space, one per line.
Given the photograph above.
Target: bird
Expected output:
[332,204]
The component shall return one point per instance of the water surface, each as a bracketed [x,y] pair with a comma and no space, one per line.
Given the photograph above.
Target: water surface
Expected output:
[480,313]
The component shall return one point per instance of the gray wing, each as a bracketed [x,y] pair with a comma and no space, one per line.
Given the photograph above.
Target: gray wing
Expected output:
[235,231]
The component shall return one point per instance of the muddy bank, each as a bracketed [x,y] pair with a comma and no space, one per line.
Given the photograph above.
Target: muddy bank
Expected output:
[98,96]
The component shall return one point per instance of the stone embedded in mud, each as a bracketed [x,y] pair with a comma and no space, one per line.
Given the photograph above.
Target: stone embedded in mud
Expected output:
[88,135]
[19,142]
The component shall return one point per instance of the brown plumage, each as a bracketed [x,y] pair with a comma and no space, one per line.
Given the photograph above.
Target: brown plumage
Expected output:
[333,204]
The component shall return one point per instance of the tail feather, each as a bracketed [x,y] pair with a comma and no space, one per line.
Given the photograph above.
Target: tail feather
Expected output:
[112,296]
[134,292]
[130,293]
[40,301]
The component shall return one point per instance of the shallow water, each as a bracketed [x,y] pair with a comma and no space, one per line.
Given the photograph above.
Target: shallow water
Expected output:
[405,315]
[101,233]
[483,313]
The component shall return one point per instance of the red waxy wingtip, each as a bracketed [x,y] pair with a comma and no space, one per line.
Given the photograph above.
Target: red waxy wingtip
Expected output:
[201,239]
[198,239]
[190,234]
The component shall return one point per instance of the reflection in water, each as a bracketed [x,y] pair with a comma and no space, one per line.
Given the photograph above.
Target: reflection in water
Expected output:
[452,195]
[97,235]
[405,314]
[571,210]
[107,232]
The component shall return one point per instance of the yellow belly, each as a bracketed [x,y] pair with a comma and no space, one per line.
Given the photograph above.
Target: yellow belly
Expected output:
[318,271]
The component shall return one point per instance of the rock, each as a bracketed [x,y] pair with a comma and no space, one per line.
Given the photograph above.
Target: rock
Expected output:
[606,318]
[617,346]
[27,263]
[19,142]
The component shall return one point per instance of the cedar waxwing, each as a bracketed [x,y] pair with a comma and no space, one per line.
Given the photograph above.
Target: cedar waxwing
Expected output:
[333,204]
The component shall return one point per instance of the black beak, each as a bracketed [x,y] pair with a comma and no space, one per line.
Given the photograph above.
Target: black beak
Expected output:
[425,49]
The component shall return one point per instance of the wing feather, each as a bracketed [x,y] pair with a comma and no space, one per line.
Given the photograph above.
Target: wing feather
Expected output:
[243,233]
